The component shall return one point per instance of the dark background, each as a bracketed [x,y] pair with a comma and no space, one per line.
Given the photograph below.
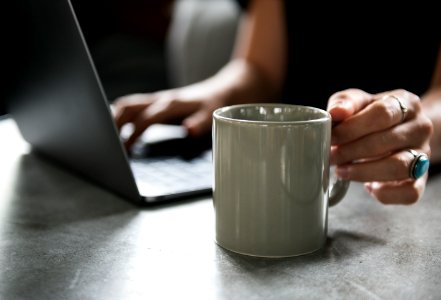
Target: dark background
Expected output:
[125,37]
[12,28]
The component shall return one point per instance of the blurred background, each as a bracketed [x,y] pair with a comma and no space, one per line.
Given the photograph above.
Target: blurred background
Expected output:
[137,45]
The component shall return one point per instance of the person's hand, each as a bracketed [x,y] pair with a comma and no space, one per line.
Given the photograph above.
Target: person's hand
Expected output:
[371,138]
[192,105]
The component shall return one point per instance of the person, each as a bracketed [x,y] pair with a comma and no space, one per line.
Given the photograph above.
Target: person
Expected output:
[378,73]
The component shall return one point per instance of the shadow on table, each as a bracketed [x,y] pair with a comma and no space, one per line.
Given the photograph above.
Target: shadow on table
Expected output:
[43,194]
[306,276]
[42,187]
[341,245]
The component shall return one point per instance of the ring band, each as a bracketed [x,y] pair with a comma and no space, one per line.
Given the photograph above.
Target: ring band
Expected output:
[420,164]
[403,107]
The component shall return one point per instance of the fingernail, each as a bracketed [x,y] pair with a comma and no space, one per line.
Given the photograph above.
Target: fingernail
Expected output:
[341,104]
[333,158]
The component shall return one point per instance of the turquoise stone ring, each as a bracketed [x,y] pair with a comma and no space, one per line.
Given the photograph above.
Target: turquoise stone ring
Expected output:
[419,165]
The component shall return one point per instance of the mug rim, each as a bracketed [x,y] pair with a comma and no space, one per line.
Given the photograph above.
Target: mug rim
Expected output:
[217,114]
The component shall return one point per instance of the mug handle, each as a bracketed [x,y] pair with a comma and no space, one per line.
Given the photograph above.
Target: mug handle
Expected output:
[338,191]
[338,188]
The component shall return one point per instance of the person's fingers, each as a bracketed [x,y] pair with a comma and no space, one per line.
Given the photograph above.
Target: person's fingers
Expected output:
[408,135]
[140,124]
[397,192]
[155,113]
[126,108]
[383,113]
[344,104]
[127,114]
[371,137]
[165,110]
[394,167]
[199,122]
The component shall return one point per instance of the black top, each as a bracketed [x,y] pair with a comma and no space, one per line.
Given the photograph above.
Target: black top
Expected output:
[372,48]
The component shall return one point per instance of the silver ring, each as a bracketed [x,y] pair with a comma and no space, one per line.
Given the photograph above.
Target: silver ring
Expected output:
[420,164]
[403,107]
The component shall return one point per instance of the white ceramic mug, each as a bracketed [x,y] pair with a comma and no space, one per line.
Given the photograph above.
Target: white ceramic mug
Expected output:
[272,186]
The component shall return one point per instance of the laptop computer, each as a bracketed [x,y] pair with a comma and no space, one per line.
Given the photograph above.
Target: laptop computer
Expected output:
[61,109]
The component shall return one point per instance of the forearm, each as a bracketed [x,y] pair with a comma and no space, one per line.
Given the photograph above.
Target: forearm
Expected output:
[241,81]
[262,41]
[257,69]
[237,82]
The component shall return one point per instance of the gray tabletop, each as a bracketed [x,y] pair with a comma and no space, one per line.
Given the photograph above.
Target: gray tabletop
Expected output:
[64,238]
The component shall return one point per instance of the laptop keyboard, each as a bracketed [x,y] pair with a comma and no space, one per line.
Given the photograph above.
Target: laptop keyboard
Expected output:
[173,175]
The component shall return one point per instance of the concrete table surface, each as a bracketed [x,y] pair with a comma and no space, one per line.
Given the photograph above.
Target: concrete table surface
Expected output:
[62,237]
